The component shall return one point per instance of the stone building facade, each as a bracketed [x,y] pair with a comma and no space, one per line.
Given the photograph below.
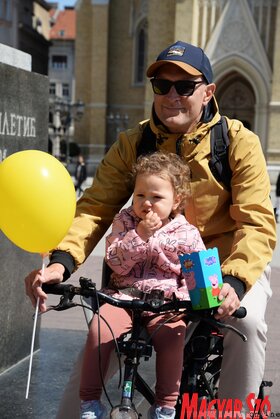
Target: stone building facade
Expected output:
[24,25]
[117,39]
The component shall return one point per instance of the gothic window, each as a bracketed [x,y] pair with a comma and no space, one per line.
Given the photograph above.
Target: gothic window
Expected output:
[140,52]
[236,98]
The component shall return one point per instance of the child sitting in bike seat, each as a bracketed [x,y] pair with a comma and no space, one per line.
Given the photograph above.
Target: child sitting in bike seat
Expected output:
[142,250]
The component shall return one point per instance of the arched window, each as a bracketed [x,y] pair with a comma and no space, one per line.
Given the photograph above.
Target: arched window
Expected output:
[236,98]
[140,52]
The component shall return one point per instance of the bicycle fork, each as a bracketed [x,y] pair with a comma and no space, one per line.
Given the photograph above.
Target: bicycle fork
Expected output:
[126,409]
[134,349]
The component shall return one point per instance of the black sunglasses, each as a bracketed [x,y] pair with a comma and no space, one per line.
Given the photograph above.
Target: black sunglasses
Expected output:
[183,87]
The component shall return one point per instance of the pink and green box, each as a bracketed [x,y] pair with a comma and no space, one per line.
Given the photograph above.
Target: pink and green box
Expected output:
[202,272]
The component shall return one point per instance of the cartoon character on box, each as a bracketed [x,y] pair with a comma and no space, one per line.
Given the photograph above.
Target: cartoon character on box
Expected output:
[215,285]
[202,272]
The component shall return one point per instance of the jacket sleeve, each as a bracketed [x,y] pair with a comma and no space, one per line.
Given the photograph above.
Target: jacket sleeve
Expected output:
[255,235]
[124,247]
[106,196]
[194,245]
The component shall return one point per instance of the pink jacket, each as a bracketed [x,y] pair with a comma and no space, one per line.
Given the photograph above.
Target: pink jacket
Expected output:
[153,264]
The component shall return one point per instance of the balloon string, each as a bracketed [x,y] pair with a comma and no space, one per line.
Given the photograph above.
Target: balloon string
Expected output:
[33,338]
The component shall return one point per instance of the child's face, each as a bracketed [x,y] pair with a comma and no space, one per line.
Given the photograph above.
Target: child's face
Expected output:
[153,193]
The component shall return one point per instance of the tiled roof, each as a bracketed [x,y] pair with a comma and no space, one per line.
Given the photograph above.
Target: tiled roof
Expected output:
[64,26]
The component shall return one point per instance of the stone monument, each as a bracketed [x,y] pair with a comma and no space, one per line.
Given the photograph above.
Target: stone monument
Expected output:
[23,125]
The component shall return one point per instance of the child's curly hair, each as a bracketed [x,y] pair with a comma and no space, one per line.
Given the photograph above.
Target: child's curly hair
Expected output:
[167,166]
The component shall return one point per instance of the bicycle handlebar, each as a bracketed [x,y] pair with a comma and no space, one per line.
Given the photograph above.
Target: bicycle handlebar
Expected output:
[156,305]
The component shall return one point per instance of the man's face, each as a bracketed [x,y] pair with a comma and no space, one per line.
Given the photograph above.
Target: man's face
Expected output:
[180,114]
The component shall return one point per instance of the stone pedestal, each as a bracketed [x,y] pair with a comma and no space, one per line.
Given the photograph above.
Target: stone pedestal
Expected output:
[23,125]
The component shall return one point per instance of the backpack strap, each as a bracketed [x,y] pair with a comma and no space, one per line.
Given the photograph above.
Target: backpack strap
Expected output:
[148,141]
[219,162]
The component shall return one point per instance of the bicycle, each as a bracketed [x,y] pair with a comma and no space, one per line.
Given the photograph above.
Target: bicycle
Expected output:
[201,370]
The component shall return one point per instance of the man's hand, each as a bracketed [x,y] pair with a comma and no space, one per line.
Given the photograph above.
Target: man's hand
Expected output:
[229,305]
[149,225]
[33,283]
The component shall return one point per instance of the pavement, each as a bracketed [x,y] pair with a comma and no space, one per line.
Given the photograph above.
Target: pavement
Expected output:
[63,334]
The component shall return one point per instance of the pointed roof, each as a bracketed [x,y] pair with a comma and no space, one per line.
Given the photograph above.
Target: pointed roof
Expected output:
[64,24]
[236,36]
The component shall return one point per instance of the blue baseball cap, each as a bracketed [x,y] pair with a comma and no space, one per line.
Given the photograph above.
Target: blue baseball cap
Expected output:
[188,57]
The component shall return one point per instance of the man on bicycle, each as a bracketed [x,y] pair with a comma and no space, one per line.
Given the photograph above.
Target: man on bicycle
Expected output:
[239,220]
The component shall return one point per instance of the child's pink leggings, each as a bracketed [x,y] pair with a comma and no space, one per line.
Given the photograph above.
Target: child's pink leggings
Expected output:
[168,342]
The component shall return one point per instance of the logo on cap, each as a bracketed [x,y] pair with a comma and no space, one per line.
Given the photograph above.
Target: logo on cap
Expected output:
[176,50]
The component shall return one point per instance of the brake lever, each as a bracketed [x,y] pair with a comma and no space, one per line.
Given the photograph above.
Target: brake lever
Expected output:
[64,303]
[64,306]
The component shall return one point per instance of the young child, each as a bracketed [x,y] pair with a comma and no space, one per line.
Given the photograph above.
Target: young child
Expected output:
[142,251]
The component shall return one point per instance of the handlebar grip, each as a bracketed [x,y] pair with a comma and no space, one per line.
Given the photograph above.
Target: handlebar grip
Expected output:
[57,289]
[240,313]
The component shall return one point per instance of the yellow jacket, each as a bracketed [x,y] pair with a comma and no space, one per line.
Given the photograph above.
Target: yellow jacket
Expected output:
[240,222]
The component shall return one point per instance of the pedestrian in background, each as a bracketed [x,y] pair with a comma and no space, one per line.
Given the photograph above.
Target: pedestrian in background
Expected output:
[80,175]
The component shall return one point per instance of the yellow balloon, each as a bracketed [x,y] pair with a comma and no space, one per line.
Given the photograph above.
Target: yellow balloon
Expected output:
[37,200]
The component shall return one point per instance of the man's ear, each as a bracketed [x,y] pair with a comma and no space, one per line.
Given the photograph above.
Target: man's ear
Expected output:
[209,92]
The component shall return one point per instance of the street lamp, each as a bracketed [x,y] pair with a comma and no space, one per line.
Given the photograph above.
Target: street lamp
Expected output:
[64,113]
[55,127]
[116,123]
[80,109]
[72,112]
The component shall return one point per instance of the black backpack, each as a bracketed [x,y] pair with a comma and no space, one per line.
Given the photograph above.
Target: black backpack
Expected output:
[218,163]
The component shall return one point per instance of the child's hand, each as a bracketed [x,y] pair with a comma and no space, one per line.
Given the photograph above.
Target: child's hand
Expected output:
[149,225]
